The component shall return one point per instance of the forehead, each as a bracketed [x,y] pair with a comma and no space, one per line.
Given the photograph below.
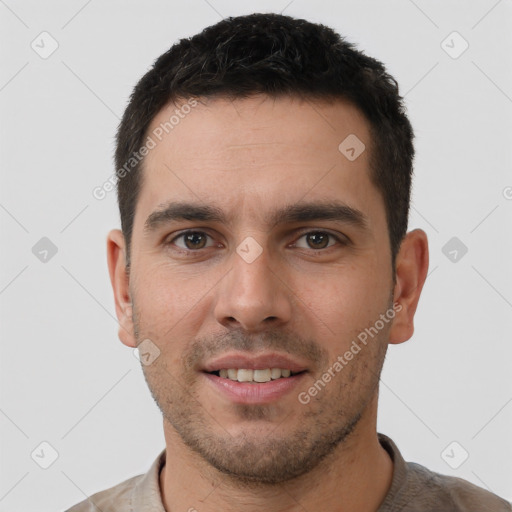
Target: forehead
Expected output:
[215,125]
[247,154]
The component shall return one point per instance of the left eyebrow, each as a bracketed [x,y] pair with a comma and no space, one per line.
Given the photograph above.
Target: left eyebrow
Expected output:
[319,210]
[293,213]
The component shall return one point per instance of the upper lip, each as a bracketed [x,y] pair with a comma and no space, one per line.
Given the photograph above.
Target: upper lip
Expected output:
[254,362]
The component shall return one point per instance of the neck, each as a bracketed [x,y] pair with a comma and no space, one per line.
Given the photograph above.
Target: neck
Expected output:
[355,477]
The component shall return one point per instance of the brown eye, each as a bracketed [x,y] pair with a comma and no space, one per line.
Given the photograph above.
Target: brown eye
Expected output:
[317,240]
[191,240]
[194,240]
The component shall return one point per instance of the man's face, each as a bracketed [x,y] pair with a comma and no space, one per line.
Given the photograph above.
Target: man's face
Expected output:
[252,282]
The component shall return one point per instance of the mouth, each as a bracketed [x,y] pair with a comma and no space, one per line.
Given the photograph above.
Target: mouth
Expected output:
[255,376]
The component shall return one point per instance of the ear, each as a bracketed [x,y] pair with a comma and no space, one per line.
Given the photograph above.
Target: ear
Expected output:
[120,280]
[411,272]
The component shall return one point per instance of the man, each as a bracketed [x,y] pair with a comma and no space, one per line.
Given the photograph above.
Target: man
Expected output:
[263,267]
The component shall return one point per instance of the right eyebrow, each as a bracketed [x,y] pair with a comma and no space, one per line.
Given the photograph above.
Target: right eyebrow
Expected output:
[183,211]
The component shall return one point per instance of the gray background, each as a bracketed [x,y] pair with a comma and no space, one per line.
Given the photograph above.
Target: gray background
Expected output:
[68,381]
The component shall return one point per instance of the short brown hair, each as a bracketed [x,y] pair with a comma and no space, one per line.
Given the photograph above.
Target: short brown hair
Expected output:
[274,55]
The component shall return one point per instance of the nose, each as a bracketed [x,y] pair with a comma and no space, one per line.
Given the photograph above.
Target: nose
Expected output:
[253,296]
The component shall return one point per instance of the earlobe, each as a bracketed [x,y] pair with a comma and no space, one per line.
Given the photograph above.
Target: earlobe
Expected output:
[411,272]
[120,281]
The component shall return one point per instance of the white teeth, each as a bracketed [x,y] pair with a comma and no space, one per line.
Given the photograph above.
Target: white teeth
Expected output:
[248,375]
[262,375]
[275,373]
[245,375]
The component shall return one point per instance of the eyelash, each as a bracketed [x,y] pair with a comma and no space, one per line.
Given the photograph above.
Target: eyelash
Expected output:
[341,241]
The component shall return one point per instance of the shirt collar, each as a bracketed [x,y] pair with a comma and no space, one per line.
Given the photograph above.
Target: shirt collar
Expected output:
[146,493]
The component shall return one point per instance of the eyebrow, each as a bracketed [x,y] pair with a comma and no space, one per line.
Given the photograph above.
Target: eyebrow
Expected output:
[293,213]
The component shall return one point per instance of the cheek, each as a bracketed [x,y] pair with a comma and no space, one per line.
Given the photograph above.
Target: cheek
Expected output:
[343,303]
[170,305]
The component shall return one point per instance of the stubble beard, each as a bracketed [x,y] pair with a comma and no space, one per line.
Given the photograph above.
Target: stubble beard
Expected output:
[280,456]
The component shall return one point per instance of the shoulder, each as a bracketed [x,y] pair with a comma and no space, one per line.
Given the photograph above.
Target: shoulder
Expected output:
[415,488]
[431,489]
[140,492]
[114,499]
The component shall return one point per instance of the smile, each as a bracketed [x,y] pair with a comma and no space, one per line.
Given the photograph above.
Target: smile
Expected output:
[256,376]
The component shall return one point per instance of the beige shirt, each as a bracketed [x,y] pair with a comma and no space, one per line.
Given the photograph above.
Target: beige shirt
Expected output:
[414,488]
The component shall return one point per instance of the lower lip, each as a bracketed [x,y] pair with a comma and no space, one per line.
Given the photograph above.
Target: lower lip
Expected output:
[253,393]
